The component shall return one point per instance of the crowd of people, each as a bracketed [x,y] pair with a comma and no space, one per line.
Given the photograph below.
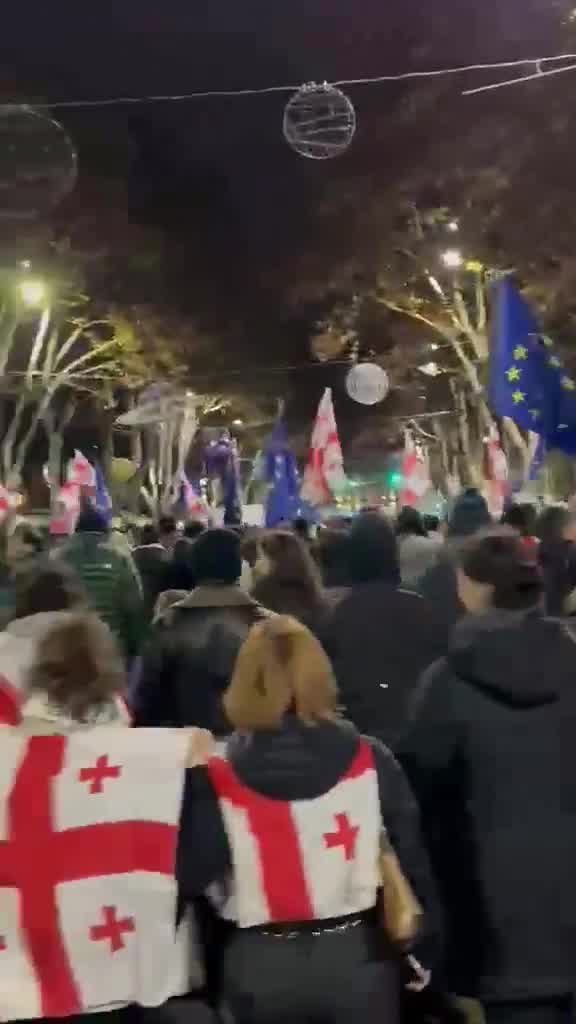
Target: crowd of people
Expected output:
[288,742]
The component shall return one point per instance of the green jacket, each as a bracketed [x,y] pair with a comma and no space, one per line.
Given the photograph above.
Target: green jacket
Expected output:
[110,579]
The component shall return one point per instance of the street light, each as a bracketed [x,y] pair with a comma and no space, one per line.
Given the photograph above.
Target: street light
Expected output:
[32,292]
[237,423]
[453,226]
[452,259]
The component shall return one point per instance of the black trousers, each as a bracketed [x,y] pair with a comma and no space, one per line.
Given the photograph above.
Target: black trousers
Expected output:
[333,978]
[558,1011]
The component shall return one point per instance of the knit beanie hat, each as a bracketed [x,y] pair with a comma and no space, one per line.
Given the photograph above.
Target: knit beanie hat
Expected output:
[469,514]
[216,557]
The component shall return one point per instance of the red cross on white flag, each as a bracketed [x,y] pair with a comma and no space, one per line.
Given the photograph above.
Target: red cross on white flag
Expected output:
[324,476]
[87,884]
[81,472]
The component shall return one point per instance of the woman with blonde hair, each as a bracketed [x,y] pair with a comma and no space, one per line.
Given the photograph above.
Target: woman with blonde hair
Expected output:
[287,578]
[290,815]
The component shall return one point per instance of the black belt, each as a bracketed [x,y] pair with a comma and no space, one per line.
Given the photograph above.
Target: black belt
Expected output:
[324,926]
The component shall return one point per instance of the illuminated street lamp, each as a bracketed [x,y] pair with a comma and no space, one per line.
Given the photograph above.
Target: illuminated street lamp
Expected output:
[237,423]
[453,226]
[33,292]
[452,259]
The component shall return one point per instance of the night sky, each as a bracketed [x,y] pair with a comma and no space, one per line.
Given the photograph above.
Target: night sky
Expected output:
[215,175]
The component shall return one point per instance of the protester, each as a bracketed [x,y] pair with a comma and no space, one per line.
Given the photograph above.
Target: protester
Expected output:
[109,577]
[193,528]
[490,753]
[438,585]
[302,800]
[191,655]
[76,679]
[523,518]
[179,573]
[151,559]
[416,550]
[287,578]
[168,532]
[23,544]
[332,552]
[43,595]
[90,815]
[302,528]
[556,529]
[380,638]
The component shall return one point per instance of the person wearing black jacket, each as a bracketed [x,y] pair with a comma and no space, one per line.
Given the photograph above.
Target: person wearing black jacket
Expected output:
[289,818]
[490,754]
[556,530]
[380,638]
[191,654]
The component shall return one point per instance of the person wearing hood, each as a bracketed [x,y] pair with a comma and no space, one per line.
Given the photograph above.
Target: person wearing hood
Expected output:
[43,596]
[380,638]
[290,814]
[109,577]
[151,560]
[190,658]
[490,754]
[438,584]
[418,552]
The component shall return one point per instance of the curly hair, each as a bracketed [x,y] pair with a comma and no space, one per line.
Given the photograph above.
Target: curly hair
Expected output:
[78,666]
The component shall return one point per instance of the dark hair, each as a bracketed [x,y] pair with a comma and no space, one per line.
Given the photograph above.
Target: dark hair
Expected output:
[292,584]
[431,523]
[410,522]
[332,551]
[166,525]
[301,527]
[193,529]
[78,666]
[149,534]
[521,518]
[215,557]
[91,520]
[373,550]
[49,587]
[552,523]
[502,561]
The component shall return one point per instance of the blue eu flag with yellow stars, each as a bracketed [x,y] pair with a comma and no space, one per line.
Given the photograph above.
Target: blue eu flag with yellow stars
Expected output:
[527,380]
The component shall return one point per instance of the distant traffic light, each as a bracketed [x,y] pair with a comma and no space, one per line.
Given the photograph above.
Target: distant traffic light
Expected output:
[394,480]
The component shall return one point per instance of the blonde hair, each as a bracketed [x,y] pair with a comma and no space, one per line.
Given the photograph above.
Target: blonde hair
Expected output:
[281,667]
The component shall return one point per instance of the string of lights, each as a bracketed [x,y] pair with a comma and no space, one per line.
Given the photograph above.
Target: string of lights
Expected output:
[539,63]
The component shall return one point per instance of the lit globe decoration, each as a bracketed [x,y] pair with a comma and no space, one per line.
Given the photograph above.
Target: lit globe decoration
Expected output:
[319,121]
[367,383]
[38,163]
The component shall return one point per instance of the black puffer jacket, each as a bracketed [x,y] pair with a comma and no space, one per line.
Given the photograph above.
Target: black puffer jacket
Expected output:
[190,659]
[490,753]
[380,640]
[300,762]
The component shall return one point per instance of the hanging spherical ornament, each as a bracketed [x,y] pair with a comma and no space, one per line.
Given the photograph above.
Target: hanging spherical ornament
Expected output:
[319,121]
[38,164]
[367,383]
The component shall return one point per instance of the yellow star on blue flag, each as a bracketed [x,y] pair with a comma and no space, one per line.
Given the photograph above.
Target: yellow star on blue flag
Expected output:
[527,381]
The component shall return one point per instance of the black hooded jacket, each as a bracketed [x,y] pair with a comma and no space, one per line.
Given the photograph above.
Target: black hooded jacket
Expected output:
[491,755]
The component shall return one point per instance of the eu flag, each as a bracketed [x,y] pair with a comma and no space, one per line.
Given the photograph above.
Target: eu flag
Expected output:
[282,474]
[102,499]
[527,379]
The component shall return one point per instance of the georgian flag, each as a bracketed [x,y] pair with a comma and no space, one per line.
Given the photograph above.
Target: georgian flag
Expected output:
[301,860]
[88,832]
[81,472]
[324,476]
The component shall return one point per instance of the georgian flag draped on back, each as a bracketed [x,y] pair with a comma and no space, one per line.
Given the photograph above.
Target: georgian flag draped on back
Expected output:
[88,831]
[301,860]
